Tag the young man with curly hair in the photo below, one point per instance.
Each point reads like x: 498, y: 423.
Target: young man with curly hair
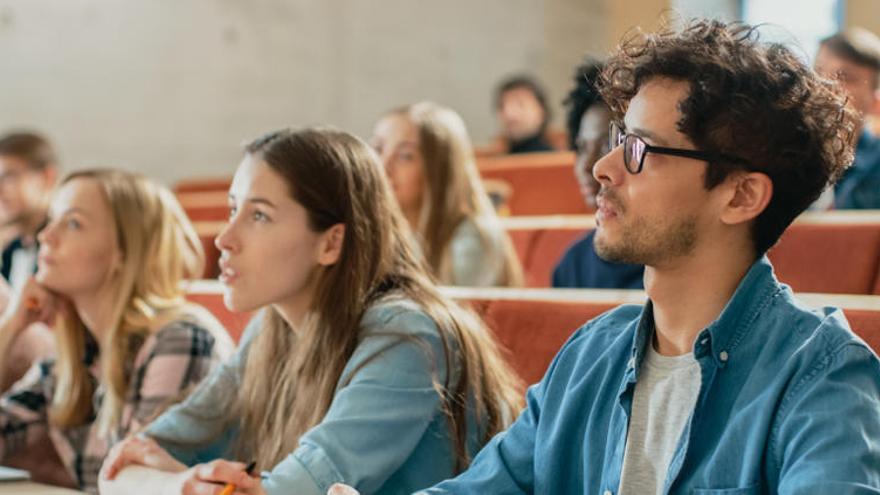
x: 723, y: 383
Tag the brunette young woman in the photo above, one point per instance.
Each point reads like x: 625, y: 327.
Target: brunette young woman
x: 359, y: 369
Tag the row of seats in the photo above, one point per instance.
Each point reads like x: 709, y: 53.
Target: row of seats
x: 532, y: 324
x: 532, y: 183
x: 835, y: 252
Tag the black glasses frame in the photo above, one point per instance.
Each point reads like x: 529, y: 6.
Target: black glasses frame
x: 633, y: 144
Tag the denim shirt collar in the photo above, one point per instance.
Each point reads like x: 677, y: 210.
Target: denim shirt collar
x: 722, y: 337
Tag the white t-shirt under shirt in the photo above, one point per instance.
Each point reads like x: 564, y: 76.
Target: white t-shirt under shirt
x: 664, y: 398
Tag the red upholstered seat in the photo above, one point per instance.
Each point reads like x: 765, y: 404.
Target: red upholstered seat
x: 531, y: 330
x: 542, y: 183
x: 865, y: 323
x: 829, y: 258
x: 547, y: 249
x: 203, y: 184
x: 212, y: 300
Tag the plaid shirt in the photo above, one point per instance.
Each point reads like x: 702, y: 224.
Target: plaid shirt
x: 167, y: 363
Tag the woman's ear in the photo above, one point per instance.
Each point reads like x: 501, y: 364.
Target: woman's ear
x: 749, y: 196
x: 330, y: 246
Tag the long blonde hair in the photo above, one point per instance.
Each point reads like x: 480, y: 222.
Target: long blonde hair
x: 454, y: 193
x: 159, y: 248
x: 290, y: 378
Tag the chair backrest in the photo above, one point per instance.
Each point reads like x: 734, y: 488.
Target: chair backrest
x: 532, y: 324
x: 541, y: 183
x: 828, y: 252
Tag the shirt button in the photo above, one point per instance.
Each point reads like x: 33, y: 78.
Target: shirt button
x: 723, y: 356
x: 608, y: 492
x: 631, y: 364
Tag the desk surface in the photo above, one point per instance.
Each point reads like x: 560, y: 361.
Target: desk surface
x: 31, y: 488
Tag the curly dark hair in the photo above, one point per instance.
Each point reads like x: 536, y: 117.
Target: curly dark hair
x: 748, y: 99
x: 583, y: 95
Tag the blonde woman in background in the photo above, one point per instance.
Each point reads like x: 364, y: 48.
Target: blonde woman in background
x: 111, y: 261
x: 360, y: 370
x: 429, y: 161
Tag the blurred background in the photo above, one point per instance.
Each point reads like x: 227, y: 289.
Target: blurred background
x: 173, y: 88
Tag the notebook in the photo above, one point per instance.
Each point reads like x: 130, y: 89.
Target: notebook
x: 11, y: 474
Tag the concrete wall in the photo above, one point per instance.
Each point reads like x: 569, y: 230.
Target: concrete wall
x: 863, y: 13
x: 172, y: 88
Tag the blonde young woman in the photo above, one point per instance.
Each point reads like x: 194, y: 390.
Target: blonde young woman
x: 110, y: 266
x: 430, y: 163
x: 360, y: 371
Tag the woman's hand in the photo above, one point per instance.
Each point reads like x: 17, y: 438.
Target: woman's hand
x: 142, y: 450
x: 340, y: 489
x: 33, y: 304
x: 213, y: 477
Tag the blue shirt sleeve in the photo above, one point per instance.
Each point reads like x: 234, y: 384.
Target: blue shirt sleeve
x: 826, y: 438
x: 384, y: 404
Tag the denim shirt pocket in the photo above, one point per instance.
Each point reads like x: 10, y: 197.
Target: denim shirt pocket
x: 749, y: 490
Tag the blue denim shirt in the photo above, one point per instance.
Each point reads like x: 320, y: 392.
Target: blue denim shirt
x: 860, y: 185
x: 789, y: 403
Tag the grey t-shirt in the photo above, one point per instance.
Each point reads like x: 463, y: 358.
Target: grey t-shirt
x: 664, y: 398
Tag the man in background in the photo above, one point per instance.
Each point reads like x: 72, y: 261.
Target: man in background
x: 28, y: 171
x: 853, y: 58
x: 521, y: 107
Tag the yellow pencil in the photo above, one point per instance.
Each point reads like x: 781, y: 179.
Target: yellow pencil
x: 229, y: 489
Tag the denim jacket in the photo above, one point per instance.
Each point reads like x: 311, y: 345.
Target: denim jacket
x: 384, y: 433
x: 789, y: 403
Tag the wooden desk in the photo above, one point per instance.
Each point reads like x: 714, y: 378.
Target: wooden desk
x: 31, y: 488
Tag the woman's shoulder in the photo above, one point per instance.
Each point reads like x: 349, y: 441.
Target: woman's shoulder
x: 400, y: 315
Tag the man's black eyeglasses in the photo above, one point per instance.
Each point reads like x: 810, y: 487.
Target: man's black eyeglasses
x: 635, y: 148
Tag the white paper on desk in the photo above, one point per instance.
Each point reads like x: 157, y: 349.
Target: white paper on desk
x: 11, y: 474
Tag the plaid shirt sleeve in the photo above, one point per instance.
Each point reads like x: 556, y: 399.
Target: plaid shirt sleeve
x: 23, y: 409
x: 170, y: 363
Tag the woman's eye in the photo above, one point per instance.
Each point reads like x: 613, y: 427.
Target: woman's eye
x: 73, y: 224
x: 259, y: 216
x: 232, y: 211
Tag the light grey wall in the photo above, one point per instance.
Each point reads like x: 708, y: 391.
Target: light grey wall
x: 172, y: 88
x: 726, y: 10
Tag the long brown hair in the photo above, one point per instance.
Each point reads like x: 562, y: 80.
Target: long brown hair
x: 290, y: 377
x: 160, y: 249
x: 455, y: 193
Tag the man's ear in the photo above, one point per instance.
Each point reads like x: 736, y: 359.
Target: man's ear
x: 748, y: 195
x: 330, y: 246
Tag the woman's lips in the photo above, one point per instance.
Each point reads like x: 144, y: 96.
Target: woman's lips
x: 228, y: 275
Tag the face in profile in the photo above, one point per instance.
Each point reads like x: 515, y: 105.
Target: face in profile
x: 591, y: 145
x: 396, y: 141
x: 656, y: 216
x: 22, y: 189
x: 858, y: 80
x: 79, y: 248
x: 520, y: 114
x: 269, y: 253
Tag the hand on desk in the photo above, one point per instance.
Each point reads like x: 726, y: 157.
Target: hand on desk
x: 165, y: 474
